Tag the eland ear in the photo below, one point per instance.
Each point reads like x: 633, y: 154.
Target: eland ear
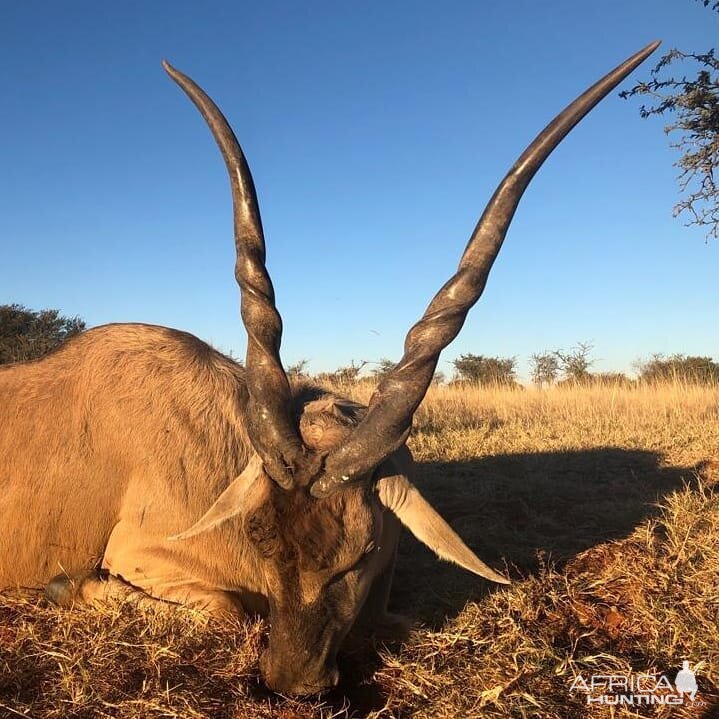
x: 229, y: 503
x: 403, y: 499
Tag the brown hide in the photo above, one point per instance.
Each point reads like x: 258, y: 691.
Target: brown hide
x: 125, y: 421
x: 124, y: 437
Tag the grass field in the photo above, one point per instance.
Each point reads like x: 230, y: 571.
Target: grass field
x: 598, y: 502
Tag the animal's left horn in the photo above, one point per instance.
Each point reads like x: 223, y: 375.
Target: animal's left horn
x: 271, y: 426
x: 389, y: 418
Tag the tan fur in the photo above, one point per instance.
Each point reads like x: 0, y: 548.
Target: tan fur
x: 126, y: 436
x: 326, y: 422
x: 126, y: 422
x: 118, y: 440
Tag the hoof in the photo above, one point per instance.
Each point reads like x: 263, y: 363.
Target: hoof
x: 65, y: 590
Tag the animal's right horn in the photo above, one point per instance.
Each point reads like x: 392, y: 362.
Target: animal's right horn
x: 389, y: 417
x: 271, y: 425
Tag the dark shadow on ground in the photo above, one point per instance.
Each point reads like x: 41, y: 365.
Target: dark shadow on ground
x: 512, y: 509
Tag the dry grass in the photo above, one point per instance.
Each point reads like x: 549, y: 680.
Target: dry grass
x: 599, y: 501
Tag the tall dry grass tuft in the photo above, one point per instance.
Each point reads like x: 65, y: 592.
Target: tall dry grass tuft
x: 598, y: 500
x: 458, y: 421
x: 662, y: 417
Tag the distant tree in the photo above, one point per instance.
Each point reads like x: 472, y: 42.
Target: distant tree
x: 439, y: 377
x: 611, y: 378
x: 383, y: 368
x: 27, y: 334
x: 702, y: 370
x: 576, y: 362
x: 694, y: 102
x: 479, y: 369
x: 545, y: 368
x: 298, y: 369
x: 345, y: 375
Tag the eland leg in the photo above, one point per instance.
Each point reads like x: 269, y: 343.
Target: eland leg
x: 98, y: 585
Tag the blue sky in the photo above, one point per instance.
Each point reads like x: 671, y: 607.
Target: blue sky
x: 376, y: 132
